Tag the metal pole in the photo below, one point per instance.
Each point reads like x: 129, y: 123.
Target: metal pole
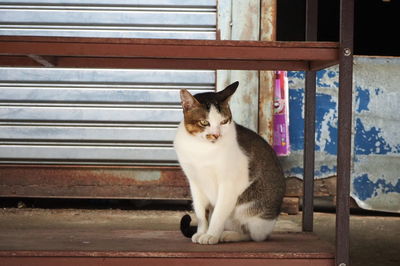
x: 309, y: 122
x: 344, y: 131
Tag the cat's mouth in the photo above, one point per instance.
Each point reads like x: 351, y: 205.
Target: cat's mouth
x: 213, y: 137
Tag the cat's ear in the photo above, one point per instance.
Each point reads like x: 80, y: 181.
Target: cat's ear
x: 188, y: 101
x: 226, y: 94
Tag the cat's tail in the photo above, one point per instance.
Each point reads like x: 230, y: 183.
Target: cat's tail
x: 187, y: 229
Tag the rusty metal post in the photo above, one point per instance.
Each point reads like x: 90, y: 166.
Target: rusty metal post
x: 309, y: 122
x: 267, y: 78
x: 344, y: 131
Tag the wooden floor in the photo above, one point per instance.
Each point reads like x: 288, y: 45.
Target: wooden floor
x: 143, y: 247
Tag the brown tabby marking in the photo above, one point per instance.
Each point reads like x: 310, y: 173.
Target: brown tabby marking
x: 192, y: 118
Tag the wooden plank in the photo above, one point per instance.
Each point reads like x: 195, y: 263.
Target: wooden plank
x: 75, y: 246
x: 19, y: 60
x: 152, y: 52
x: 162, y: 42
x: 317, y: 65
x: 96, y: 261
x: 127, y: 243
x: 138, y: 63
x: 222, y: 51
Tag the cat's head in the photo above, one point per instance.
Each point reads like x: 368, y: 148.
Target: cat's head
x: 207, y: 115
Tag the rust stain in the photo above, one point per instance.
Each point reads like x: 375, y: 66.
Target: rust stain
x: 268, y: 20
x: 268, y: 33
x: 245, y: 20
x: 247, y: 99
x: 91, y: 176
x: 247, y: 34
x: 218, y: 35
x: 92, y: 182
x: 114, y: 182
x: 265, y: 114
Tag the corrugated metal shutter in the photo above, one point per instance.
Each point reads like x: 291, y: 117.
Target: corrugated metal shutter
x: 178, y: 19
x: 98, y: 116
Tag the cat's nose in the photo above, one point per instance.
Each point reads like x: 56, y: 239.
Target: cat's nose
x: 213, y: 136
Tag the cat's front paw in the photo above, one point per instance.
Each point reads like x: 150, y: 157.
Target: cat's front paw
x: 233, y: 236
x: 204, y: 239
x: 195, y: 237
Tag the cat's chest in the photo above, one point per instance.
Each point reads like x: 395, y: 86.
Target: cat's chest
x: 218, y: 169
x: 206, y: 154
x: 210, y: 166
x: 212, y: 158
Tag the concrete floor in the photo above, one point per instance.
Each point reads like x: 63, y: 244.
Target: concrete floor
x: 375, y: 240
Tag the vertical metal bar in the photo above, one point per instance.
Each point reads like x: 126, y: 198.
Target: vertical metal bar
x: 344, y: 131
x: 309, y: 122
x: 309, y: 154
x: 311, y: 20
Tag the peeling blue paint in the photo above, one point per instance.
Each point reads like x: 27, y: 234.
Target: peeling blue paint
x: 362, y: 99
x: 297, y: 170
x: 378, y: 91
x: 296, y: 126
x: 332, y: 75
x: 295, y: 74
x: 364, y: 188
x: 369, y: 141
x: 376, y: 139
x: 325, y: 170
x: 325, y: 104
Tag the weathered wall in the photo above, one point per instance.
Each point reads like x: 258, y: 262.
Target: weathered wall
x: 239, y: 20
x: 376, y: 175
x: 375, y: 180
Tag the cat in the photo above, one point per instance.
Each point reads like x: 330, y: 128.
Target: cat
x: 235, y: 178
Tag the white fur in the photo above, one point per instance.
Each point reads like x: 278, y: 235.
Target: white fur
x: 218, y: 174
x: 260, y: 229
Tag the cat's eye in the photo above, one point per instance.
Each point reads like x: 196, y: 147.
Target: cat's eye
x: 204, y: 123
x: 225, y: 121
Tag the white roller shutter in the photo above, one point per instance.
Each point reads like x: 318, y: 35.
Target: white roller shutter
x: 98, y: 116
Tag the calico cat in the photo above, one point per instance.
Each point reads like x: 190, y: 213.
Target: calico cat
x: 235, y: 179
